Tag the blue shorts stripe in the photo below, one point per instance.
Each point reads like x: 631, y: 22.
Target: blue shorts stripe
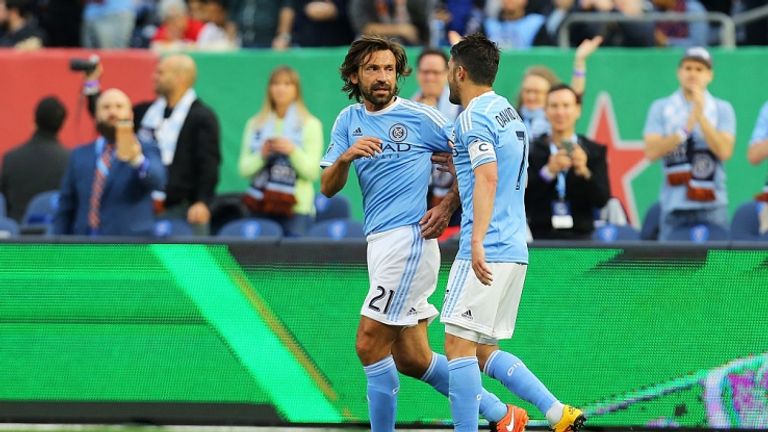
x: 402, y: 287
x: 414, y: 269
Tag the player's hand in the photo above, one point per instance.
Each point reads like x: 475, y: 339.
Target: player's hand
x: 444, y: 162
x: 127, y: 147
x: 198, y: 213
x: 282, y: 145
x: 434, y: 222
x: 363, y: 147
x: 479, y: 266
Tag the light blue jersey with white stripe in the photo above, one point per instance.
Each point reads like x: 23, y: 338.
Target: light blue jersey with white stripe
x: 394, y: 182
x: 490, y: 130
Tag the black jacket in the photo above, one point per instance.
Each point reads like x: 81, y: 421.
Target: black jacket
x: 583, y: 195
x: 194, y: 172
x: 36, y: 166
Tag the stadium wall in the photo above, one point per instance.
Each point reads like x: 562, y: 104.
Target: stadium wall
x: 622, y: 83
x: 263, y: 333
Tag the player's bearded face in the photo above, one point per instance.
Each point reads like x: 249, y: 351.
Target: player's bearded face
x: 379, y: 93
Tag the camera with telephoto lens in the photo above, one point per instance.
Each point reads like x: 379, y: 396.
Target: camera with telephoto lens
x: 84, y: 65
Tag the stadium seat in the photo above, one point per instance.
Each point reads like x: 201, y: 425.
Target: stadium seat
x: 700, y: 233
x: 252, y: 228
x: 226, y: 208
x: 166, y: 228
x: 651, y: 222
x: 3, y: 208
x: 337, y: 229
x: 41, y: 209
x: 336, y: 207
x: 745, y: 224
x: 8, y: 228
x: 612, y: 213
x: 611, y: 233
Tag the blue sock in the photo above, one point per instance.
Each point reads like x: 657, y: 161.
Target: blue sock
x: 511, y: 371
x: 491, y: 408
x: 383, y: 385
x: 464, y: 394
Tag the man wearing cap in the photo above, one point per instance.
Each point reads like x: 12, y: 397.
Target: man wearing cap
x: 693, y: 133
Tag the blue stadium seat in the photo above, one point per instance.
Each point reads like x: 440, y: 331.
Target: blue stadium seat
x: 41, y: 209
x: 700, y: 233
x: 8, y: 228
x: 336, y: 207
x: 745, y: 224
x: 252, y: 228
x: 3, y: 208
x: 337, y: 229
x: 166, y: 228
x: 611, y: 233
x: 651, y: 222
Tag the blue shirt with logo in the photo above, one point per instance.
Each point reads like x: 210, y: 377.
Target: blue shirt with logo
x: 394, y: 182
x: 490, y: 130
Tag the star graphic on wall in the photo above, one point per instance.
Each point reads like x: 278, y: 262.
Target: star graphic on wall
x: 626, y: 159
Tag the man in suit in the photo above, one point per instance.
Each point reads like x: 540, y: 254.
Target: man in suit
x: 107, y: 188
x: 567, y: 174
x: 37, y: 165
x: 187, y: 133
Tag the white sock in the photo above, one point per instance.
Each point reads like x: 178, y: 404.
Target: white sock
x: 555, y: 413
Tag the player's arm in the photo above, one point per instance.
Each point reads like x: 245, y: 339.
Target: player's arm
x: 437, y: 218
x: 335, y: 176
x: 484, y: 194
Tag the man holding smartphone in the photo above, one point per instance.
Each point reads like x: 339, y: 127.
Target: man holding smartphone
x: 567, y: 174
x: 106, y: 190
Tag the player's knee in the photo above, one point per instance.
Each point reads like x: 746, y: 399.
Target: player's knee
x: 413, y: 364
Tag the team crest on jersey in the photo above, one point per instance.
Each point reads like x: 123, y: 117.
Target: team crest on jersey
x: 398, y: 132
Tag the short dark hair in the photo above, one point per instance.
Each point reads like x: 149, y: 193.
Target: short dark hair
x: 479, y: 56
x: 432, y: 51
x: 360, y: 51
x: 23, y: 6
x: 50, y: 114
x: 563, y: 86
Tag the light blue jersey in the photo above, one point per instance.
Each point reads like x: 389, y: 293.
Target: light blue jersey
x: 490, y: 130
x: 394, y: 182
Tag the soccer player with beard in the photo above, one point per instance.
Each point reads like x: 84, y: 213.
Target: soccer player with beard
x: 391, y: 142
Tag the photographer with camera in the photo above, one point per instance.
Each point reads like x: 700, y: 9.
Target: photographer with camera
x: 107, y: 188
x: 567, y: 174
x: 187, y: 132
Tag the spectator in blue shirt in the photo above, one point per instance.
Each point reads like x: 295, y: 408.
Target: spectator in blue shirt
x: 693, y: 133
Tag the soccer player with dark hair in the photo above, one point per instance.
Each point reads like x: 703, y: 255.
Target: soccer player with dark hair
x: 486, y: 279
x: 391, y: 141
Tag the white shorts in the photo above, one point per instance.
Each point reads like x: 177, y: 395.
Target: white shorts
x: 402, y: 270
x: 478, y: 312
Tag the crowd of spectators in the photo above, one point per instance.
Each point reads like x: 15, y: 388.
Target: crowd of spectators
x: 286, y: 24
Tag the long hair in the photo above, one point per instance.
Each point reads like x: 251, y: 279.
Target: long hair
x: 360, y: 51
x: 541, y: 72
x: 268, y: 107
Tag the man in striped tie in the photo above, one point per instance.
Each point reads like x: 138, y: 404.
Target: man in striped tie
x: 107, y: 187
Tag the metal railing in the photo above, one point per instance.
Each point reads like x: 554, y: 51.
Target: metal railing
x: 750, y: 15
x: 727, y: 26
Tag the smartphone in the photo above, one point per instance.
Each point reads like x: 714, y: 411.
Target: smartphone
x: 568, y: 147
